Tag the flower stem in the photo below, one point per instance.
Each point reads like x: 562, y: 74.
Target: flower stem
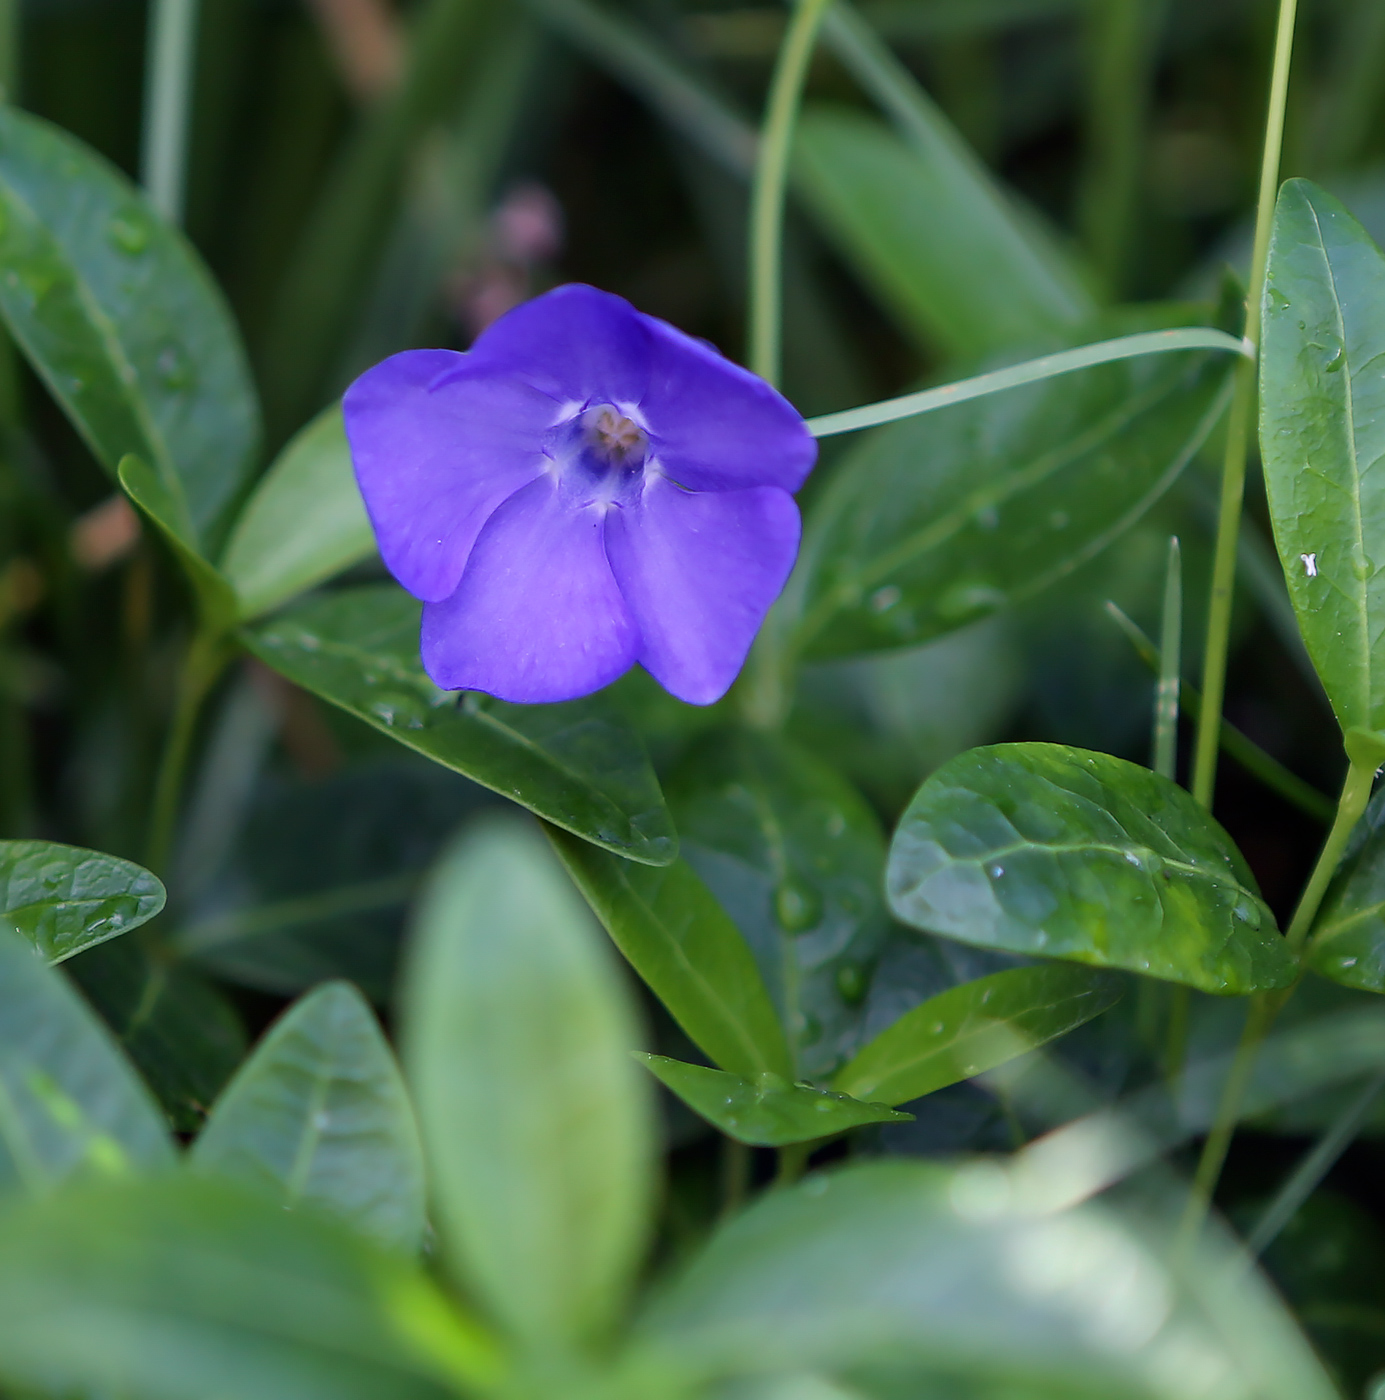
x: 1238, y: 430
x: 171, y: 56
x: 1356, y: 793
x: 206, y: 656
x: 767, y: 194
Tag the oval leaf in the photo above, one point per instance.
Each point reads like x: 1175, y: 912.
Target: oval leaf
x: 975, y: 1027
x: 1039, y: 848
x: 70, y: 1101
x: 794, y: 855
x: 692, y: 957
x: 304, y: 524
x: 1322, y: 436
x: 122, y: 322
x: 63, y: 899
x: 577, y: 765
x: 318, y: 1114
x: 766, y: 1111
x: 536, y: 1120
x: 938, y: 520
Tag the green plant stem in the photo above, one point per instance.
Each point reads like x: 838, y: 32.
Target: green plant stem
x: 1356, y: 793
x: 1170, y: 653
x: 9, y: 50
x: 767, y: 192
x: 792, y: 1160
x: 1176, y: 1033
x: 735, y: 1175
x: 1118, y: 98
x: 170, y: 58
x: 1238, y: 430
x: 206, y: 657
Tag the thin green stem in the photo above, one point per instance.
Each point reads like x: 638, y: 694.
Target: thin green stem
x: 205, y: 658
x: 1356, y: 793
x: 1170, y: 653
x: 1101, y: 352
x: 735, y: 1175
x: 170, y: 57
x: 771, y: 179
x: 1238, y: 430
x: 1315, y: 1164
x: 9, y: 50
x: 792, y: 1160
x: 1176, y: 1033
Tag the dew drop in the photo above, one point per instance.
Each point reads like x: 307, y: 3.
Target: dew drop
x: 797, y: 906
x: 995, y: 871
x: 1334, y: 365
x: 129, y: 233
x: 851, y: 983
x: 883, y: 599
x: 173, y: 367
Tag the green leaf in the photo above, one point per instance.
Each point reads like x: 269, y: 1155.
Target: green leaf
x: 63, y: 899
x: 119, y: 318
x: 181, y: 1032
x: 69, y: 1101
x: 166, y: 508
x: 766, y: 1111
x: 180, y: 1288
x: 693, y: 958
x: 304, y: 524
x: 535, y: 1118
x: 318, y: 1115
x: 1348, y: 940
x: 945, y: 1274
x: 577, y: 765
x: 975, y: 1027
x: 794, y: 855
x: 935, y: 521
x: 946, y: 251
x: 1040, y: 848
x: 1322, y: 434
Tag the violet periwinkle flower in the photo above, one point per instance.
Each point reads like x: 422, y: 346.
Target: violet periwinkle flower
x: 586, y: 488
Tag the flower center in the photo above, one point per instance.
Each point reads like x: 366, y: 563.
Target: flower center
x: 614, y: 438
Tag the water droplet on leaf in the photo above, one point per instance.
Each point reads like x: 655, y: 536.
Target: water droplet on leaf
x: 797, y: 906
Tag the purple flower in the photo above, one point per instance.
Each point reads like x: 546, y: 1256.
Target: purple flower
x: 585, y: 489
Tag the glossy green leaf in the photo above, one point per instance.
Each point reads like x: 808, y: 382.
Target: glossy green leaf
x: 794, y: 855
x: 935, y: 521
x: 183, y: 1034
x: 305, y: 522
x: 939, y: 1273
x: 536, y: 1119
x: 69, y: 1101
x: 766, y: 1111
x: 181, y: 1288
x: 1039, y: 848
x: 318, y: 1115
x: 118, y: 316
x: 1348, y: 941
x: 63, y: 899
x: 975, y: 1027
x: 946, y: 251
x: 577, y: 765
x: 168, y: 511
x: 1322, y: 436
x: 693, y: 958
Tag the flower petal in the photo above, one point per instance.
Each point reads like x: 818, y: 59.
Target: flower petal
x: 716, y: 426
x: 537, y: 616
x: 438, y: 443
x: 576, y: 344
x: 699, y: 571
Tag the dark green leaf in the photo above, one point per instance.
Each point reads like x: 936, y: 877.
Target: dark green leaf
x: 64, y: 899
x: 1322, y: 435
x: 70, y: 1101
x: 959, y: 1033
x: 1348, y: 942
x: 766, y: 1111
x: 535, y: 1118
x: 304, y: 524
x: 1039, y: 848
x: 794, y: 855
x: 318, y: 1115
x: 694, y: 959
x: 945, y: 249
x: 935, y: 521
x: 937, y: 1272
x: 120, y: 319
x: 182, y: 1033
x: 179, y: 1288
x: 577, y: 765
